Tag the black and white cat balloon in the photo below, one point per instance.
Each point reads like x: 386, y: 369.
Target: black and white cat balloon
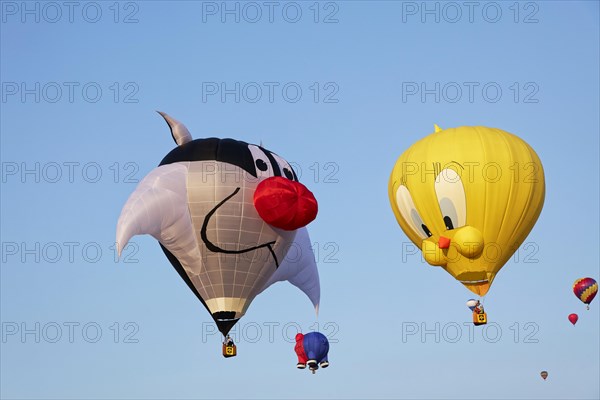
x: 230, y: 217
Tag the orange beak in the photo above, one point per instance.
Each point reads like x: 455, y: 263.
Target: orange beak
x: 444, y: 242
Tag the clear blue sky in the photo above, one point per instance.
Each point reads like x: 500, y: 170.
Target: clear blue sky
x: 86, y: 149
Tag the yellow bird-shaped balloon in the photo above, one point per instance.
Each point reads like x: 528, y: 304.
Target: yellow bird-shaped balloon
x: 468, y: 197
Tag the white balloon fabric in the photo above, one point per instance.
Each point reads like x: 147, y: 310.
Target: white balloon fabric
x: 300, y: 268
x: 158, y: 207
x: 199, y: 204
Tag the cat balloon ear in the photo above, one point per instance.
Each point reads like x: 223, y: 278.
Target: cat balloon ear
x: 180, y: 133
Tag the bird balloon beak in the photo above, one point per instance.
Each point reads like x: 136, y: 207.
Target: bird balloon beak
x: 444, y: 242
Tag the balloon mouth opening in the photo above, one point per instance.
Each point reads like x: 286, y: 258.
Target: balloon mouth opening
x: 225, y: 320
x: 474, y: 282
x: 479, y: 287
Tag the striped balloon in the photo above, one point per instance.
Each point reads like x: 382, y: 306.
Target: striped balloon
x: 585, y: 289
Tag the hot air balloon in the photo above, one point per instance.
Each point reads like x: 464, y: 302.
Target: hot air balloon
x: 544, y: 374
x: 468, y: 197
x: 573, y: 318
x: 312, y: 349
x: 230, y: 217
x: 472, y: 303
x: 585, y: 289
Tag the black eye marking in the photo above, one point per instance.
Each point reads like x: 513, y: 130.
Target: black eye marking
x: 448, y: 222
x: 426, y: 230
x: 262, y: 165
x: 288, y: 174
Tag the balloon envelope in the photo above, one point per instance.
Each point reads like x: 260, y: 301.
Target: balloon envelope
x: 573, y: 318
x: 468, y: 197
x: 585, y: 289
x: 316, y: 346
x: 199, y: 203
x: 544, y: 374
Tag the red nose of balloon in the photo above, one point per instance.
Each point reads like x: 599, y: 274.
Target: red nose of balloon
x: 285, y: 204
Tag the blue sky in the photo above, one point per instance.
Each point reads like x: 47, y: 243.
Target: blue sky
x: 78, y: 127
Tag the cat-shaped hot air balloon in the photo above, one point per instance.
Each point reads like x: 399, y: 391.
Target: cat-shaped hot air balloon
x: 226, y: 214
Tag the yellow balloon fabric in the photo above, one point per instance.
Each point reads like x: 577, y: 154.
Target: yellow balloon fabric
x: 468, y: 197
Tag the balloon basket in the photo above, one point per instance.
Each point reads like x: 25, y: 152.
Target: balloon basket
x: 229, y: 350
x: 479, y: 318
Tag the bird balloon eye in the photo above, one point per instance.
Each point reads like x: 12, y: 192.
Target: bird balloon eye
x: 288, y: 174
x: 409, y: 212
x: 262, y: 165
x: 448, y: 222
x: 426, y: 230
x: 450, y: 192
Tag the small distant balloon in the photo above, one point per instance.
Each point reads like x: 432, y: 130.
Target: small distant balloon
x: 471, y: 303
x: 573, y: 318
x: 544, y: 374
x: 312, y: 349
x: 585, y: 289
